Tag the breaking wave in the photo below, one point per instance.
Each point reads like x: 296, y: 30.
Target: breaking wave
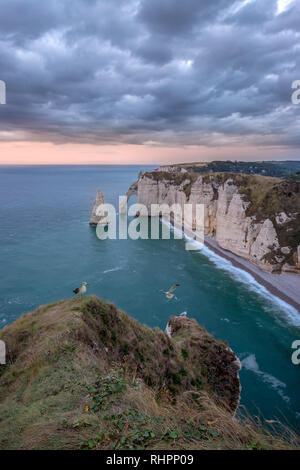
x: 251, y: 364
x: 285, y: 311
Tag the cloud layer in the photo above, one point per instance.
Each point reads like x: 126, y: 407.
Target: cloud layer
x: 161, y: 72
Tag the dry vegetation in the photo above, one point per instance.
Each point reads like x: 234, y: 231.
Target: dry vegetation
x: 82, y: 375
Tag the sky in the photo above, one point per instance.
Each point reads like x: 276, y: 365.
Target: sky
x: 148, y: 81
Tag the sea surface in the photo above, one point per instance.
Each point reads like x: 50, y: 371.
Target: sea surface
x: 48, y: 249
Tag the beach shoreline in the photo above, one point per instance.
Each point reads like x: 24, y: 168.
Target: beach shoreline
x: 285, y: 286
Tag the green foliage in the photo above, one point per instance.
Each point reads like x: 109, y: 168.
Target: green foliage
x: 184, y: 353
x: 3, y: 368
x: 176, y: 379
x: 170, y: 434
x: 125, y: 349
x: 275, y: 169
x: 106, y: 389
x: 199, y: 432
x: 130, y: 429
x: 294, y: 176
x: 254, y: 445
x: 197, y: 383
x: 97, y: 307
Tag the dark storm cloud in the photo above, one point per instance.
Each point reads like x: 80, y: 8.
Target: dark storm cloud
x: 164, y: 17
x: 117, y: 71
x: 22, y: 20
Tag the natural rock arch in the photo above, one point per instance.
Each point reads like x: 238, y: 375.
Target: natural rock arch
x: 132, y: 191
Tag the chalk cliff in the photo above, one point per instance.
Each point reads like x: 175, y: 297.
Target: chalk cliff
x: 95, y: 217
x: 253, y: 216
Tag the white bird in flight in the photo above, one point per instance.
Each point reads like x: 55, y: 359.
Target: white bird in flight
x: 169, y: 293
x: 81, y: 290
x: 183, y: 314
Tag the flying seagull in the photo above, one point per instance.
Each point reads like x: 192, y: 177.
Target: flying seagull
x: 169, y: 293
x: 81, y: 290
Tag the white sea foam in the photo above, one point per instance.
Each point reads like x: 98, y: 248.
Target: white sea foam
x: 285, y: 311
x: 16, y: 300
x: 251, y: 364
x: 117, y: 268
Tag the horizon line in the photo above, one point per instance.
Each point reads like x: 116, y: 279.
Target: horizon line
x: 145, y: 164
x: 81, y: 164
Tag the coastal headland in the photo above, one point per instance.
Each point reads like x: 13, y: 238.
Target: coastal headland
x: 251, y: 220
x: 81, y: 374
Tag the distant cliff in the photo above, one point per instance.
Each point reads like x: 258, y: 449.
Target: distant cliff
x: 253, y: 216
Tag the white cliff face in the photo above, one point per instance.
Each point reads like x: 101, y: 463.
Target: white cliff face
x: 282, y: 218
x: 159, y: 192
x: 225, y: 217
x: 265, y: 243
x: 235, y: 231
x: 95, y: 217
x: 203, y: 193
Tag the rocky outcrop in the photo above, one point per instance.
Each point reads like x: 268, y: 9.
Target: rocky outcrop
x: 132, y: 191
x: 95, y: 217
x: 92, y: 367
x: 255, y: 217
x: 217, y: 357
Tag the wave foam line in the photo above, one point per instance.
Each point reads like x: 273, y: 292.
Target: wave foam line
x: 250, y: 363
x: 118, y: 268
x: 288, y: 312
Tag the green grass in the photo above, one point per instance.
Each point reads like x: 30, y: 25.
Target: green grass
x: 83, y: 375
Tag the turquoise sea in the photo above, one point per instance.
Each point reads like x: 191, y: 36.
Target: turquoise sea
x: 48, y: 248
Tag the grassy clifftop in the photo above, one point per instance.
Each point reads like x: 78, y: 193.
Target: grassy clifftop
x: 279, y: 169
x: 81, y: 374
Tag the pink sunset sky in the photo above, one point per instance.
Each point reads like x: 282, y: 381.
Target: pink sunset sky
x: 32, y: 153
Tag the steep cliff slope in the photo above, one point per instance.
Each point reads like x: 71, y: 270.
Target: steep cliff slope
x: 81, y: 374
x: 253, y: 216
x: 95, y: 217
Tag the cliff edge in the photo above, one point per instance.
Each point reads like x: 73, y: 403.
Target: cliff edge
x: 81, y: 374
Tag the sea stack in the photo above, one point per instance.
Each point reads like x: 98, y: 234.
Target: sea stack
x: 95, y: 218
